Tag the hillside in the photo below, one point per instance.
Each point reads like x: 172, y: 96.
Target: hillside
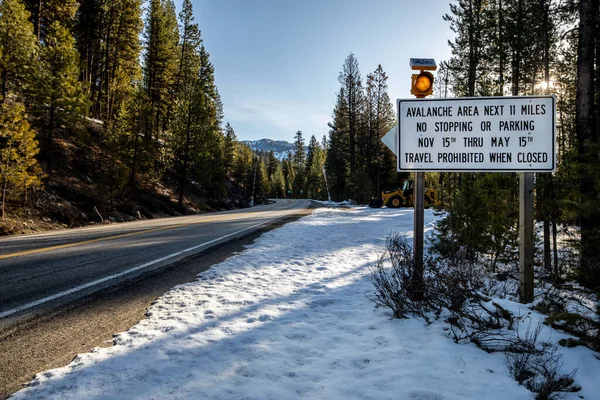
x: 80, y: 192
x: 280, y: 148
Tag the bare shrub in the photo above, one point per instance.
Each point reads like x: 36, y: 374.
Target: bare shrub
x: 552, y: 302
x: 536, y: 365
x: 455, y: 286
x: 394, y: 280
x: 459, y: 286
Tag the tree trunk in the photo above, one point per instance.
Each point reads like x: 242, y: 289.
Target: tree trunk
x: 546, y: 177
x: 472, y: 60
x: 186, y: 155
x: 37, y: 26
x: 107, y: 82
x: 4, y: 188
x: 586, y: 136
x: 597, y: 71
x: 500, y: 91
x: 516, y: 62
x: 4, y: 85
x: 557, y: 271
x: 134, y: 161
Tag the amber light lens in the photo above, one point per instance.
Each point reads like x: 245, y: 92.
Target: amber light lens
x: 423, y: 83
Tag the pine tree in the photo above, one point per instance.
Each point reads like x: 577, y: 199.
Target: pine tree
x: 277, y: 182
x: 353, y: 94
x: 190, y: 105
x: 126, y: 138
x: 229, y: 148
x: 467, y: 20
x: 272, y: 163
x: 299, y: 165
x: 288, y: 175
x: 59, y: 101
x: 45, y: 12
x: 337, y: 152
x: 242, y: 166
x: 89, y: 35
x: 19, y: 169
x: 381, y: 118
x: 263, y: 185
x: 351, y: 138
x: 160, y: 63
x: 189, y: 45
x: 211, y: 165
x: 314, y: 164
x: 17, y: 47
x: 110, y: 52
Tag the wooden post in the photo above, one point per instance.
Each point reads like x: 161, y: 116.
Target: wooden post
x: 419, y: 221
x: 526, y: 243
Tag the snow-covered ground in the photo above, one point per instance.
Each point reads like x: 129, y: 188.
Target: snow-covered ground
x: 289, y: 318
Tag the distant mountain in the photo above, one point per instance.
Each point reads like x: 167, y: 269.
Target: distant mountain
x: 280, y: 148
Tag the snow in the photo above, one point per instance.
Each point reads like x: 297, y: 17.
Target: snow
x: 289, y: 318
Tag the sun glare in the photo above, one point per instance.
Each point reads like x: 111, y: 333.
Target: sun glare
x: 544, y: 85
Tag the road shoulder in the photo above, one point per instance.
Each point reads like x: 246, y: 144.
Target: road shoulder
x: 53, y: 339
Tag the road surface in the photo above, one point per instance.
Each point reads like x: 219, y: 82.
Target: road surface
x: 56, y: 267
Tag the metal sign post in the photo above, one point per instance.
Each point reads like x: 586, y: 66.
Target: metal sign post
x: 419, y: 228
x: 421, y: 87
x: 526, y: 249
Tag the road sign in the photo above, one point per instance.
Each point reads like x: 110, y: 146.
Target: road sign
x: 485, y: 134
x: 422, y: 64
x: 390, y: 139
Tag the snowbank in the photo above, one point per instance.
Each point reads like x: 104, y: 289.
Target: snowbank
x: 288, y: 318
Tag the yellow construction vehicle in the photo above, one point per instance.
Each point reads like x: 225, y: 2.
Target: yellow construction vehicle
x: 403, y: 197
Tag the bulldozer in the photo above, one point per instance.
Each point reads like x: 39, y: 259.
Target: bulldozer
x: 403, y: 197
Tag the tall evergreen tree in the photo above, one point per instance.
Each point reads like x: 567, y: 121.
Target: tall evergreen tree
x: 17, y: 47
x: 353, y: 94
x: 19, y: 169
x: 288, y: 176
x: 299, y: 164
x: 58, y: 95
x: 126, y: 137
x: 187, y: 125
x: 211, y: 165
x: 229, y: 148
x: 467, y: 20
x: 242, y: 167
x: 89, y: 35
x: 381, y: 118
x: 160, y: 63
x: 337, y: 152
x: 277, y: 182
x: 272, y: 163
x: 315, y: 184
x: 45, y: 12
x: 110, y: 52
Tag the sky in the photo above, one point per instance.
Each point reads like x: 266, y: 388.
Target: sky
x: 277, y: 62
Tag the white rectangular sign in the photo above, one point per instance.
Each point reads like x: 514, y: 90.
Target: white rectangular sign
x: 477, y: 134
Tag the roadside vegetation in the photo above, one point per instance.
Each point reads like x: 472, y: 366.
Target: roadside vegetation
x: 89, y: 134
x: 516, y: 48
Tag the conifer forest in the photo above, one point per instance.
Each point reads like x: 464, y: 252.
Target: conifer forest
x: 129, y: 85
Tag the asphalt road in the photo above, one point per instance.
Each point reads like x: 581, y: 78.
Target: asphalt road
x: 42, y: 270
x: 51, y: 337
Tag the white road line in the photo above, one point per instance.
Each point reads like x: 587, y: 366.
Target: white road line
x: 137, y: 268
